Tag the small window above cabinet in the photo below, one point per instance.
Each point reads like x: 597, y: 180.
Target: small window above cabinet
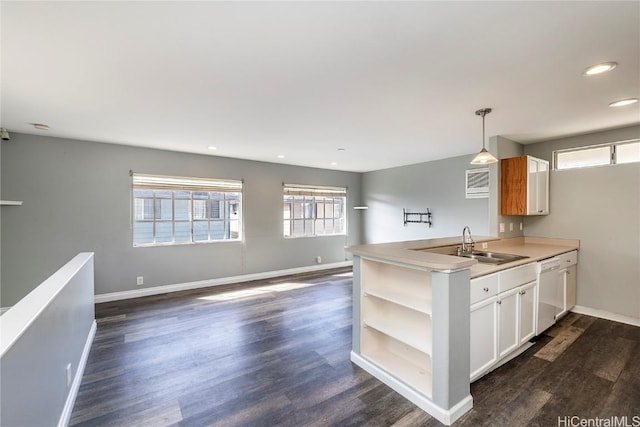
x: 524, y: 186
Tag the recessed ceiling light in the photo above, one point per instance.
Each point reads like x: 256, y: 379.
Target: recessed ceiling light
x: 623, y: 102
x: 211, y: 147
x: 341, y: 149
x: 40, y: 126
x: 281, y: 156
x: 600, y: 68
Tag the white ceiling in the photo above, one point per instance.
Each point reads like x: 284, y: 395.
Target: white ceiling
x: 392, y: 83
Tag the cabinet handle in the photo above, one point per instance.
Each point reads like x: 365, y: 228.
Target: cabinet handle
x: 485, y: 289
x: 523, y: 292
x: 499, y: 302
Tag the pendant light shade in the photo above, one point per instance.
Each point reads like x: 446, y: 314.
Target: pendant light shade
x: 483, y: 157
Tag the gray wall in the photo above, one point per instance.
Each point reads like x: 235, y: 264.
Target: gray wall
x: 502, y: 148
x: 77, y: 199
x: 601, y: 207
x: 437, y: 185
x: 33, y: 380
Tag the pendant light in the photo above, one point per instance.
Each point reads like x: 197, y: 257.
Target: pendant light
x: 483, y: 157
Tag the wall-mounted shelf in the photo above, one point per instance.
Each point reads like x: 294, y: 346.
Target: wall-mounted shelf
x: 10, y: 202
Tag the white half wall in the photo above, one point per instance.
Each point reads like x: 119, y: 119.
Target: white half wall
x: 45, y: 340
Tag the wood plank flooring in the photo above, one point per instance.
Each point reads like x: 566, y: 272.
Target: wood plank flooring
x: 276, y: 353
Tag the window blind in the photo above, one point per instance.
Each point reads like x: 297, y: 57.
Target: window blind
x: 308, y: 190
x: 176, y: 183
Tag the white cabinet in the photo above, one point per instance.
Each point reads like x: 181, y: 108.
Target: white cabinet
x: 567, y: 283
x: 517, y: 318
x: 503, y: 316
x: 527, y: 305
x: 524, y: 186
x: 484, y: 336
x: 508, y: 339
x: 537, y: 186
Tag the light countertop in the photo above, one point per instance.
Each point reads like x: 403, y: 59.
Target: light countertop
x: 435, y: 253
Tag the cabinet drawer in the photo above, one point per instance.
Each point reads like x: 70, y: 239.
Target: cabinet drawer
x: 484, y: 287
x: 568, y: 259
x: 517, y: 276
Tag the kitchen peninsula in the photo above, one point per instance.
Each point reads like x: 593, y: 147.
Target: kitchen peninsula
x: 411, y: 313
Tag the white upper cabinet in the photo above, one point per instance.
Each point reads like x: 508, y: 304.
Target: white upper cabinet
x: 537, y: 186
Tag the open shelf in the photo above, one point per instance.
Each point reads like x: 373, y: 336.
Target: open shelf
x: 399, y: 322
x: 405, y: 363
x: 408, y: 337
x: 420, y: 303
x: 400, y: 285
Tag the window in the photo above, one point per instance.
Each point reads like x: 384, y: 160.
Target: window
x: 314, y: 211
x: 597, y: 155
x: 175, y: 210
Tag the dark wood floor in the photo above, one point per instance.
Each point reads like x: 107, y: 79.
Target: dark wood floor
x: 276, y: 352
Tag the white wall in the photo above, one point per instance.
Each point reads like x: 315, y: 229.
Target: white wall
x: 600, y: 206
x: 437, y: 185
x: 77, y: 198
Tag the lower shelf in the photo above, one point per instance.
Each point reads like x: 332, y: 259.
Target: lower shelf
x: 411, y: 374
x: 406, y: 363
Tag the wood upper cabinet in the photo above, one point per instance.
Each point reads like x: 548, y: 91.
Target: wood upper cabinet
x: 524, y: 186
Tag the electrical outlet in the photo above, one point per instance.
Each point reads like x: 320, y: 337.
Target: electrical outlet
x: 318, y: 259
x: 502, y: 227
x: 521, y: 227
x: 510, y: 226
x: 68, y: 374
x: 140, y: 280
x: 485, y: 245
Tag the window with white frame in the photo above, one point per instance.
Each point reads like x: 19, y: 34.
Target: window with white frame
x: 597, y: 155
x: 314, y: 210
x: 178, y: 210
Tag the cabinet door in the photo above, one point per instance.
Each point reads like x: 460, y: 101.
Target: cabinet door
x: 484, y: 336
x: 566, y: 290
x: 509, y: 322
x: 543, y: 187
x: 532, y: 186
x: 561, y: 294
x: 527, y: 305
x: 571, y: 284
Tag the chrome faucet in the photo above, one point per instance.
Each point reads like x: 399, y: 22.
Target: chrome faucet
x: 467, y: 242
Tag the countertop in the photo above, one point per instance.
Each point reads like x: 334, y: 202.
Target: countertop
x: 434, y: 253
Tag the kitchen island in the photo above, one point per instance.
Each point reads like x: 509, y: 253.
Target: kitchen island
x: 411, y: 314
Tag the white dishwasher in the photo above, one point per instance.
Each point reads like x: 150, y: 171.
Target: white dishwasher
x: 548, y: 298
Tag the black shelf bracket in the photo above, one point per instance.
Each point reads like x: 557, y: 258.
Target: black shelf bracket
x: 416, y: 217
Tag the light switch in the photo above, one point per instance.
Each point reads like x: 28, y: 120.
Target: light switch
x: 502, y: 227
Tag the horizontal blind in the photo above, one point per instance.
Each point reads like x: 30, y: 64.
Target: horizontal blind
x: 176, y: 183
x: 314, y: 190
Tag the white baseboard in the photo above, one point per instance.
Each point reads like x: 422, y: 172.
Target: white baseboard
x: 77, y: 379
x: 156, y: 290
x: 445, y: 416
x: 603, y: 314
